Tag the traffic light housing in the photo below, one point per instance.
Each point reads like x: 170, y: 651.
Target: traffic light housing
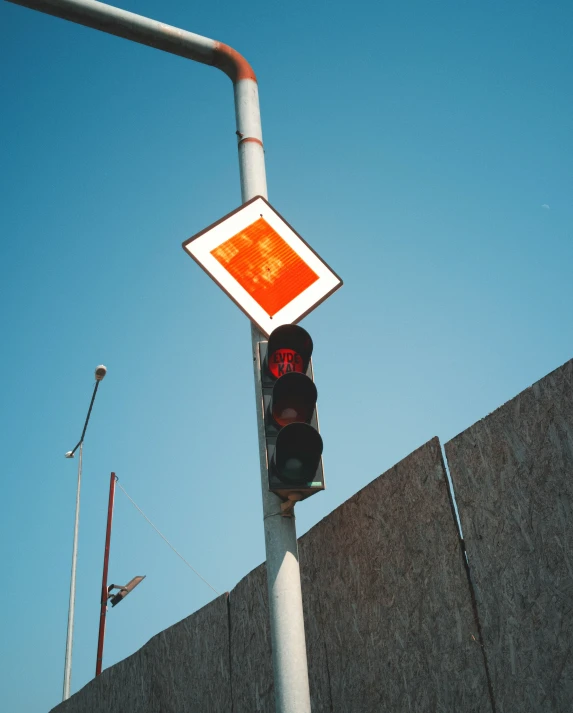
x: 294, y: 445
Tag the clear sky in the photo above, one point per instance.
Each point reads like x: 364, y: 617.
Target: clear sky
x: 423, y: 150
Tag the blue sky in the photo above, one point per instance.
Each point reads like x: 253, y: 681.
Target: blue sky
x: 422, y: 149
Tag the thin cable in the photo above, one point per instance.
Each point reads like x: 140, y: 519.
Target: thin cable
x: 166, y: 540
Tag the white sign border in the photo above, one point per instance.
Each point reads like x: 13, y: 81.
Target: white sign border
x: 200, y: 246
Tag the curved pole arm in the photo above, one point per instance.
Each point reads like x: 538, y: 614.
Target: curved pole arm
x: 171, y: 39
x: 86, y: 421
x: 141, y: 29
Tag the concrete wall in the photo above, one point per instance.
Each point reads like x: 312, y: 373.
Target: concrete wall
x: 388, y: 612
x: 513, y: 478
x: 391, y: 612
x: 387, y: 599
x: 184, y: 669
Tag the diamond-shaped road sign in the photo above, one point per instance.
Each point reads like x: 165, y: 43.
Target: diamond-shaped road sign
x: 264, y: 266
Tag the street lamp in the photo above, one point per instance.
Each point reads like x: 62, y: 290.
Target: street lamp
x: 123, y: 590
x: 100, y: 373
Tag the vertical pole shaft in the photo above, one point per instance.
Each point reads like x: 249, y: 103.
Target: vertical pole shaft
x: 72, y: 604
x: 103, y: 607
x: 292, y: 693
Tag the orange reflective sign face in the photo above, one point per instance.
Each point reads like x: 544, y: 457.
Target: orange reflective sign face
x: 284, y: 361
x: 265, y: 266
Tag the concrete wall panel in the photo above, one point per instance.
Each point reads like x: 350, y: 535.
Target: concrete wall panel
x: 513, y: 477
x: 184, y: 669
x: 251, y: 668
x: 388, y: 615
x: 389, y: 601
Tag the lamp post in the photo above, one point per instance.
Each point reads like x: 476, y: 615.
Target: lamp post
x: 100, y: 373
x: 106, y: 592
x: 292, y: 694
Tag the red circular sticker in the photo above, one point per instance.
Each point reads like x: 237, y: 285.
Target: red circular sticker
x: 283, y: 361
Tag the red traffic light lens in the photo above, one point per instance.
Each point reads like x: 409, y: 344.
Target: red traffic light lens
x: 289, y: 349
x: 285, y: 361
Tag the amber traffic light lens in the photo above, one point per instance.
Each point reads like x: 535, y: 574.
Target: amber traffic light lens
x: 293, y: 399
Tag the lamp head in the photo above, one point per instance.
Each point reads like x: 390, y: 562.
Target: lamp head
x: 100, y: 372
x: 124, y: 591
x: 69, y: 454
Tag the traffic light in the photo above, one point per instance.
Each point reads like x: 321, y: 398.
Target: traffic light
x: 294, y: 445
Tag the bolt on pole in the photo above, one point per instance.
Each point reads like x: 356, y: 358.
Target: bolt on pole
x: 292, y: 693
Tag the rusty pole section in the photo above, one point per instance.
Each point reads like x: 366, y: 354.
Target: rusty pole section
x: 103, y: 608
x: 290, y: 668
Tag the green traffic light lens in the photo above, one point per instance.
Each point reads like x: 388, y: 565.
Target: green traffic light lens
x: 297, y: 454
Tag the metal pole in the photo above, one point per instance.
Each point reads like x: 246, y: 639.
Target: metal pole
x: 292, y: 693
x: 72, y: 605
x: 100, y: 373
x: 103, y: 608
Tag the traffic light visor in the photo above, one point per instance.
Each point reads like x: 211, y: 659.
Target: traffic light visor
x: 297, y: 454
